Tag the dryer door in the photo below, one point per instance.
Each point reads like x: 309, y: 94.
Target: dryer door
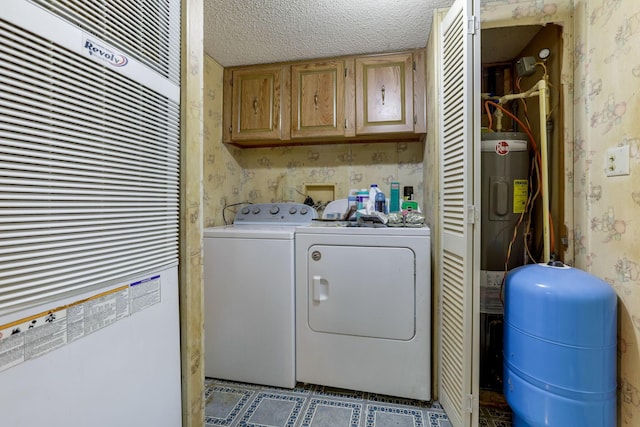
x: 362, y: 291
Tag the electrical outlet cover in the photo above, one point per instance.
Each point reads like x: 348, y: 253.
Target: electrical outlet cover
x: 616, y: 161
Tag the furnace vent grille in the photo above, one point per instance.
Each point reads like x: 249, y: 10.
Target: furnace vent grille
x: 147, y: 30
x: 89, y: 173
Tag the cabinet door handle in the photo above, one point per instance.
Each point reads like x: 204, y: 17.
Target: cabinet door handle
x: 315, y: 100
x: 255, y: 105
x: 382, y: 94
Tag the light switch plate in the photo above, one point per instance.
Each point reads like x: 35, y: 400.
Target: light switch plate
x: 616, y: 161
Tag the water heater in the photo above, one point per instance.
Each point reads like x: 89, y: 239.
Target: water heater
x: 504, y: 191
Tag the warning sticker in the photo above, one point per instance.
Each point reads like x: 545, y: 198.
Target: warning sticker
x: 145, y: 293
x: 490, y: 287
x: 520, y: 193
x: 33, y: 336
x: 49, y: 333
x: 89, y: 315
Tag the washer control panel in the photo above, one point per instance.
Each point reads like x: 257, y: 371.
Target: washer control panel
x: 275, y: 213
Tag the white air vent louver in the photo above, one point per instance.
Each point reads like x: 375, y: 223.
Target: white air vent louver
x: 147, y: 30
x: 88, y: 173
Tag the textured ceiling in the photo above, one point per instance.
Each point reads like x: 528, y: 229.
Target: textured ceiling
x: 242, y: 32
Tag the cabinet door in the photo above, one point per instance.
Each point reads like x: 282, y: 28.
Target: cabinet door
x: 384, y: 94
x: 256, y: 104
x: 317, y: 99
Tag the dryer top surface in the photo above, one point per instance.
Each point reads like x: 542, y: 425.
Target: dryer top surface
x: 365, y: 231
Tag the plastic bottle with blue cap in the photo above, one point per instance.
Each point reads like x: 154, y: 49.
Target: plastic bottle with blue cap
x: 378, y: 198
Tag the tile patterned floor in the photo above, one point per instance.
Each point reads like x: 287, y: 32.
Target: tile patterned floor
x: 248, y: 405
x: 493, y: 417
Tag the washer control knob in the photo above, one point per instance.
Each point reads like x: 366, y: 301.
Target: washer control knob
x: 292, y: 210
x: 256, y: 210
x: 274, y: 210
x: 245, y: 211
x: 304, y: 211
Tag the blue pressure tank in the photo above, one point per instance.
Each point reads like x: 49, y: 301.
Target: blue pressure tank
x: 559, y: 347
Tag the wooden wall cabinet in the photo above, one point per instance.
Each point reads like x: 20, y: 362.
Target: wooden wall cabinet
x: 257, y: 101
x: 384, y: 94
x: 364, y: 98
x: 318, y: 99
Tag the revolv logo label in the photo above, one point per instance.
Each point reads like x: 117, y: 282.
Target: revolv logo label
x: 98, y: 51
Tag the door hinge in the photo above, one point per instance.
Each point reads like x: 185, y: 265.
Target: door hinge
x: 473, y: 24
x: 472, y: 214
x: 345, y: 73
x: 414, y: 65
x: 468, y: 403
x: 345, y: 123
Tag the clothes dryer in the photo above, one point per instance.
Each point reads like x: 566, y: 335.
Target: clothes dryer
x: 363, y: 309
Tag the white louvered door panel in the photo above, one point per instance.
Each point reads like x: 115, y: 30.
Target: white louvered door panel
x: 459, y: 163
x: 89, y: 162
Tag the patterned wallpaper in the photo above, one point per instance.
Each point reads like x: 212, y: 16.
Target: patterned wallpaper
x: 262, y: 175
x: 223, y: 176
x: 607, y: 229
x: 190, y: 269
x: 602, y: 77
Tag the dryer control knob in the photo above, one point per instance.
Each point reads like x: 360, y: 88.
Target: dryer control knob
x: 256, y: 210
x: 274, y: 210
x: 245, y: 211
x: 293, y: 210
x: 304, y: 211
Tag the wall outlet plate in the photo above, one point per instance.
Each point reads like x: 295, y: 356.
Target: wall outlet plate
x: 616, y: 162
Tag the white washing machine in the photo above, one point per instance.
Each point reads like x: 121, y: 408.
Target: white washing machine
x: 363, y: 309
x: 249, y: 287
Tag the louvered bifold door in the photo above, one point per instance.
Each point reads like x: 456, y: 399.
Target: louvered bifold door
x: 89, y: 172
x: 459, y: 235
